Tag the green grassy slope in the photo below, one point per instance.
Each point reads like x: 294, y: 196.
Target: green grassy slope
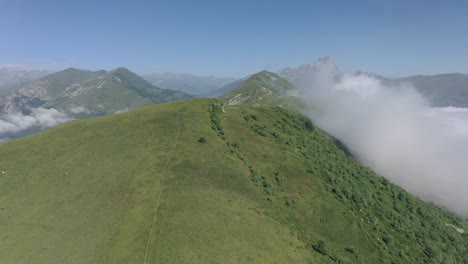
x: 265, y: 187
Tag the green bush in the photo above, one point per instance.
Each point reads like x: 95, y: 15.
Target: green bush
x: 351, y: 249
x: 320, y: 247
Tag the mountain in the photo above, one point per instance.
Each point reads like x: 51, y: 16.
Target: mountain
x: 43, y: 90
x: 302, y: 74
x: 439, y: 90
x: 198, y: 182
x: 87, y: 93
x: 295, y: 76
x: 261, y: 88
x: 187, y: 83
x: 442, y: 89
x: 14, y: 77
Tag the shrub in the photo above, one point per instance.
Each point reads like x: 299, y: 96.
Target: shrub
x: 278, y: 178
x: 351, y: 249
x: 202, y: 140
x: 289, y: 201
x: 268, y: 191
x: 320, y: 247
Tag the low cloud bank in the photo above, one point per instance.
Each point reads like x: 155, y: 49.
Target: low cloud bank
x: 17, y: 124
x: 394, y: 131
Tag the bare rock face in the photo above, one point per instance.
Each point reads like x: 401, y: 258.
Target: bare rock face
x: 32, y: 95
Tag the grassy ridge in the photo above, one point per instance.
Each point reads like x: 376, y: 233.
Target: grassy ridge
x: 264, y: 186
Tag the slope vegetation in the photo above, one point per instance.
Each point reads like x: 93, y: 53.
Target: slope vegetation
x: 196, y: 182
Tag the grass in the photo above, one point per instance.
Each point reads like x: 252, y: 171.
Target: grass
x: 265, y: 186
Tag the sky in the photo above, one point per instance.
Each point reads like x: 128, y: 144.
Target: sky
x: 393, y: 38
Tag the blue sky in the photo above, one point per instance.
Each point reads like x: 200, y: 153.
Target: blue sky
x: 236, y: 38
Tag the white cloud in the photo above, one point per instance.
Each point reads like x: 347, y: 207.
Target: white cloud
x: 15, y: 124
x: 78, y: 110
x: 395, y: 132
x: 121, y: 111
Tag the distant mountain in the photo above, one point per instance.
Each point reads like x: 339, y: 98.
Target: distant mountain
x: 303, y: 73
x: 442, y: 89
x: 261, y: 88
x: 14, y: 77
x: 88, y: 93
x: 439, y: 90
x: 44, y: 90
x: 190, y: 84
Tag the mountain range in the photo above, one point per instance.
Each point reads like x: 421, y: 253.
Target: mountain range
x: 21, y: 89
x: 439, y: 90
x: 75, y: 93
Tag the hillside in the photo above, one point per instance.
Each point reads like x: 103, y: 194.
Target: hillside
x: 196, y: 182
x: 88, y: 93
x: 261, y: 88
x: 187, y: 83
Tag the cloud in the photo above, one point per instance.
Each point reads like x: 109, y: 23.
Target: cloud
x: 122, y: 111
x: 393, y: 130
x: 78, y: 110
x: 17, y: 124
